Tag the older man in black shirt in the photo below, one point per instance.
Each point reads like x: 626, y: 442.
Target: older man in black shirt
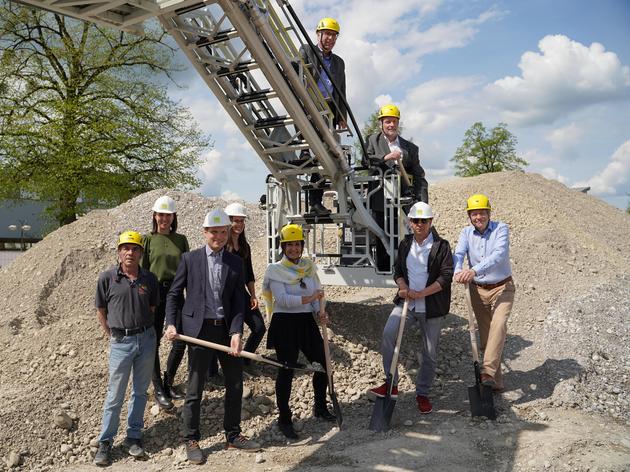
x: 126, y: 297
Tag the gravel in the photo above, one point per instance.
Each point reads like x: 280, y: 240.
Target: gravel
x: 567, y: 346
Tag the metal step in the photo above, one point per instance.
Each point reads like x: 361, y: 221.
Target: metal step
x: 257, y: 96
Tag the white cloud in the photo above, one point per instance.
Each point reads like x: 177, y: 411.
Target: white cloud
x: 230, y: 196
x: 212, y: 173
x: 553, y: 174
x: 614, y: 175
x: 564, y: 76
x: 565, y: 139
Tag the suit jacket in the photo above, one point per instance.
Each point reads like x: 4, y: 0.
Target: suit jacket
x: 192, y: 275
x: 337, y: 74
x: 377, y: 149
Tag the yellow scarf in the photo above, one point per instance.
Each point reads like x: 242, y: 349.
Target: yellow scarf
x: 286, y: 272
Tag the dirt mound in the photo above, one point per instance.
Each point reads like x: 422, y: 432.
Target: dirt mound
x: 567, y: 251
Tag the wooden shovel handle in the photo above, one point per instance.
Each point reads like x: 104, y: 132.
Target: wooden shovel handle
x: 401, y: 327
x: 322, y: 307
x: 471, y: 324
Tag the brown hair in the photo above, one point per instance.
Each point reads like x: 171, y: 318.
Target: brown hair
x: 154, y: 223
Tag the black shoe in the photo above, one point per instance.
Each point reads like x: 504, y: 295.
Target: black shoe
x: 319, y: 209
x: 194, y: 454
x: 102, y: 457
x: 170, y: 391
x: 287, y: 430
x: 162, y: 400
x: 135, y: 448
x: 323, y: 413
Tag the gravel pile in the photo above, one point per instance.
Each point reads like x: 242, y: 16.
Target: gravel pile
x: 572, y: 282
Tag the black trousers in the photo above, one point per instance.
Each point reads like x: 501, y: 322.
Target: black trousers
x: 178, y: 347
x: 233, y: 372
x: 291, y: 333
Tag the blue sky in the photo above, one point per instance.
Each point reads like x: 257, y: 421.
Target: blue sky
x: 557, y: 72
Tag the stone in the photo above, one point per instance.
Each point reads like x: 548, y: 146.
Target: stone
x: 13, y: 460
x: 259, y: 458
x: 408, y: 423
x: 247, y: 392
x: 155, y: 410
x: 63, y: 420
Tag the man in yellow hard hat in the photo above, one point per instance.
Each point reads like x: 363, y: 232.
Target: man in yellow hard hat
x: 213, y: 279
x: 387, y: 149
x: 126, y: 297
x: 486, y: 244
x: 334, y: 70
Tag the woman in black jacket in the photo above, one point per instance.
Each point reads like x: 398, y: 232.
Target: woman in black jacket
x: 423, y: 273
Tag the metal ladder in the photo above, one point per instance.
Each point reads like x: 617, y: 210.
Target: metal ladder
x: 248, y: 58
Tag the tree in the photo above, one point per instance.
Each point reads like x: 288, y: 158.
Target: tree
x: 483, y: 152
x: 84, y: 121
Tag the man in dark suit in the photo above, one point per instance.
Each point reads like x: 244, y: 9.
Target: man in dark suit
x: 385, y: 150
x: 333, y: 70
x: 213, y: 311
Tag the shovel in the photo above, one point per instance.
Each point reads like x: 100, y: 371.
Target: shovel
x: 250, y: 355
x: 329, y: 373
x: 384, y: 407
x: 479, y: 396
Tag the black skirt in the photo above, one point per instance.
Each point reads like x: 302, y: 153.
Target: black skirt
x: 294, y: 331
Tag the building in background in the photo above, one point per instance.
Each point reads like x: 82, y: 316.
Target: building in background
x: 23, y: 222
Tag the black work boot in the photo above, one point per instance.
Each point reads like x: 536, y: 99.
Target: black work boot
x: 321, y: 411
x: 162, y: 400
x: 170, y: 390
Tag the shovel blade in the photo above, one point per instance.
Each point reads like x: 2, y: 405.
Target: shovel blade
x: 481, y: 401
x: 382, y: 414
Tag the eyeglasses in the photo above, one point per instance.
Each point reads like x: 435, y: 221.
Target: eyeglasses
x: 302, y: 283
x: 422, y: 221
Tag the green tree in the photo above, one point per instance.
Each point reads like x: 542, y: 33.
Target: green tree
x: 84, y: 121
x: 483, y: 151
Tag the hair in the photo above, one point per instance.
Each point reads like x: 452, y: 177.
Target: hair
x: 154, y: 223
x: 244, y: 248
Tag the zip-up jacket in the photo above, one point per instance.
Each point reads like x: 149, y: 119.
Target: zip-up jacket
x: 440, y: 268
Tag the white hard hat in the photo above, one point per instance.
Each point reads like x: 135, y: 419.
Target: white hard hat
x: 216, y: 217
x: 421, y: 210
x: 236, y: 209
x: 164, y: 204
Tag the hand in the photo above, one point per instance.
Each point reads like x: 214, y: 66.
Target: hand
x: 415, y: 295
x: 393, y: 156
x: 342, y: 124
x: 170, y: 333
x: 403, y: 292
x: 317, y: 295
x: 253, y: 302
x: 236, y: 345
x: 465, y: 276
x: 324, y: 318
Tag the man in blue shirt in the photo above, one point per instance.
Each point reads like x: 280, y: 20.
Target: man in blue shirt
x: 487, y: 245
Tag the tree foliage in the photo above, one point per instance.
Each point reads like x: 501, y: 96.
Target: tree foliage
x: 84, y: 121
x: 483, y: 152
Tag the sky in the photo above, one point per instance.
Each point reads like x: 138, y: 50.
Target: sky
x: 556, y: 72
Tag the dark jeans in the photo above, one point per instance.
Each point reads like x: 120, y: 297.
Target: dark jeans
x: 178, y: 347
x: 233, y: 372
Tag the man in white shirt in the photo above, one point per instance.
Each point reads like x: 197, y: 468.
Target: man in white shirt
x: 423, y: 273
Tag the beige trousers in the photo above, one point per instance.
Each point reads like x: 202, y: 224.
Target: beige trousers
x: 492, y: 309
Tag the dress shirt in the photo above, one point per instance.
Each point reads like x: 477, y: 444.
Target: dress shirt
x: 418, y: 270
x: 214, y: 303
x: 288, y: 297
x: 488, y: 253
x: 393, y: 146
x: 324, y: 83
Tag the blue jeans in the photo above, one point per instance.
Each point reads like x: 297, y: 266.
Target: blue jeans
x: 429, y: 337
x: 126, y: 355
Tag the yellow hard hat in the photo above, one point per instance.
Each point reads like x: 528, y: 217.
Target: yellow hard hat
x: 389, y: 110
x: 291, y: 232
x: 131, y: 237
x: 478, y: 202
x: 328, y: 24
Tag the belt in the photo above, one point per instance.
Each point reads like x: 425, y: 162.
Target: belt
x: 215, y: 321
x: 492, y: 286
x: 166, y: 283
x: 130, y: 332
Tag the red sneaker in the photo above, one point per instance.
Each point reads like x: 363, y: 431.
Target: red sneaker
x: 381, y: 392
x: 424, y: 405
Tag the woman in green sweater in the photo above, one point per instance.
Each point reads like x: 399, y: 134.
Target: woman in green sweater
x: 163, y: 248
